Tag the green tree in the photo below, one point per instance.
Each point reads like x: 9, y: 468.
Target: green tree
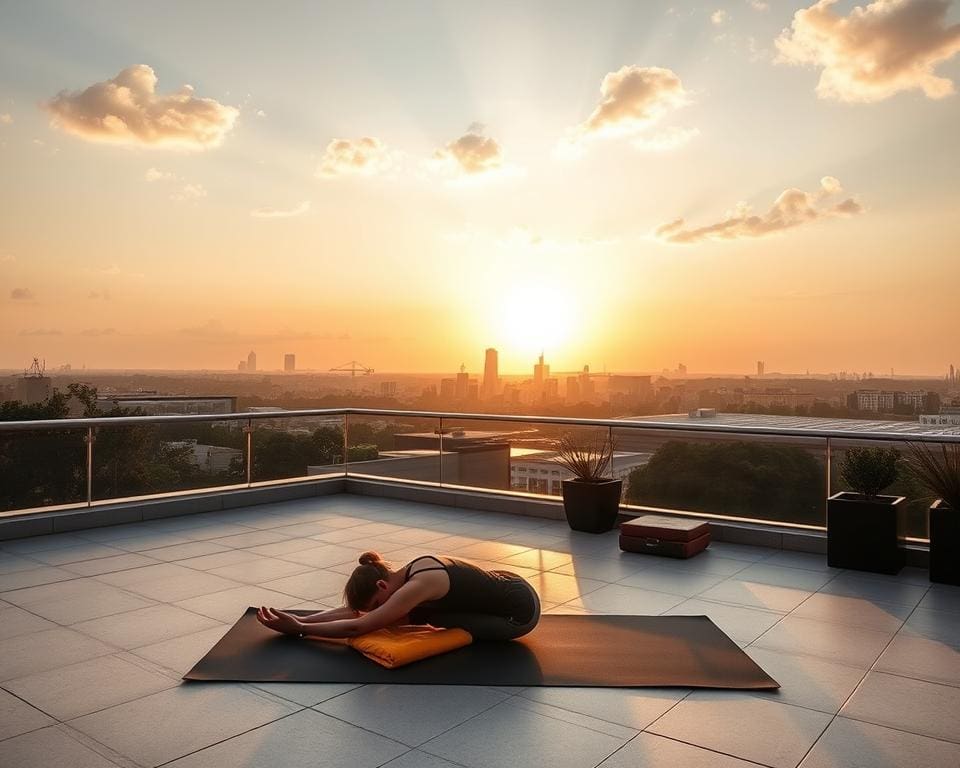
x: 739, y: 479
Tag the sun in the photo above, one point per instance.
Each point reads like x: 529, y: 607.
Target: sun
x: 534, y: 318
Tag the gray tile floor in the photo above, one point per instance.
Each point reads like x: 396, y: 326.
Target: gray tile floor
x: 97, y: 627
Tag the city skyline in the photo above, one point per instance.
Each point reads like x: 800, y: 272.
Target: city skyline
x: 627, y: 186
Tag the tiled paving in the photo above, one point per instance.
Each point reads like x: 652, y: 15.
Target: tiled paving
x: 97, y: 627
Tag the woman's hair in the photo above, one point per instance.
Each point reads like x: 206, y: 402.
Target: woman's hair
x: 362, y: 584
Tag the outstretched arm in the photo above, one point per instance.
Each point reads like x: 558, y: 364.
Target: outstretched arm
x: 343, y: 612
x: 396, y: 608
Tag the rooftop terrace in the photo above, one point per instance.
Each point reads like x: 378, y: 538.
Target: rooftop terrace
x: 97, y: 626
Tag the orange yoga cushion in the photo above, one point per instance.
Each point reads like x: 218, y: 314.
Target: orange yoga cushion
x: 393, y: 647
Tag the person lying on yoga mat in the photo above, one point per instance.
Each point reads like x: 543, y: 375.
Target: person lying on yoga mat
x: 442, y: 591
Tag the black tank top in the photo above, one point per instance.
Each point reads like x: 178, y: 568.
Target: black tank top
x: 475, y: 590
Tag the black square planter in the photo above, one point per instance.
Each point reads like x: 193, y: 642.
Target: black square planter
x: 944, y: 544
x: 591, y: 507
x: 864, y: 534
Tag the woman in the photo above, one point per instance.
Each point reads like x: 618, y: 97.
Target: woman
x: 441, y: 591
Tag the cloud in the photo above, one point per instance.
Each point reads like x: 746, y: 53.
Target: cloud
x: 366, y: 156
x: 98, y: 332
x: 21, y: 294
x: 154, y: 174
x: 128, y: 110
x: 281, y: 213
x: 189, y: 192
x: 6, y: 118
x: 260, y: 113
x: 473, y: 153
x: 791, y: 209
x: 7, y: 258
x: 40, y: 332
x: 759, y: 5
x: 876, y: 51
x: 719, y: 17
x: 633, y: 100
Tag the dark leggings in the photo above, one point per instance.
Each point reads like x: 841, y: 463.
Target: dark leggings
x: 485, y: 626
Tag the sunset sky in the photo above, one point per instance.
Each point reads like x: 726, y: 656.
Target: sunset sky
x: 629, y: 184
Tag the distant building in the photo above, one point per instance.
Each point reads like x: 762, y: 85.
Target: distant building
x: 491, y: 375
x: 215, y: 459
x: 153, y: 404
x: 289, y: 363
x: 388, y: 389
x: 463, y: 384
x: 773, y: 397
x: 33, y: 387
x: 251, y: 362
x: 573, y: 389
x: 949, y: 416
x: 539, y: 471
x: 681, y: 369
x: 888, y: 401
x: 242, y: 366
x: 761, y: 367
x: 448, y: 389
x: 540, y: 372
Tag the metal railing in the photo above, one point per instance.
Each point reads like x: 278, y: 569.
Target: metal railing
x: 825, y: 440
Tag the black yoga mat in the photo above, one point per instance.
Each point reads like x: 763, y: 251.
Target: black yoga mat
x: 574, y: 650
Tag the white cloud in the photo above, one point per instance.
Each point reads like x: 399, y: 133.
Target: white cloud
x: 281, y: 213
x: 633, y: 100
x: 155, y: 174
x: 473, y: 153
x: 719, y: 17
x: 6, y: 118
x: 759, y: 5
x: 665, y: 140
x: 128, y: 110
x: 261, y: 113
x: 40, y: 332
x: 791, y: 209
x: 876, y: 51
x: 366, y: 156
x: 189, y: 192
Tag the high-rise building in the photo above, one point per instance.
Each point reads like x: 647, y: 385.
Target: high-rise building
x: 491, y: 376
x: 289, y: 362
x: 242, y: 366
x: 251, y: 362
x: 681, y: 369
x: 953, y: 374
x: 760, y: 368
x: 448, y: 389
x: 540, y: 372
x: 463, y: 383
x: 388, y: 389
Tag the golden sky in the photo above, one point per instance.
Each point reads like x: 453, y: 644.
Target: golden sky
x: 629, y: 185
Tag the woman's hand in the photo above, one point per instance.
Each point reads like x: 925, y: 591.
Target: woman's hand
x: 279, y: 621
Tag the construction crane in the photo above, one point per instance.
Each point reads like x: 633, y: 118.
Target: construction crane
x: 353, y: 367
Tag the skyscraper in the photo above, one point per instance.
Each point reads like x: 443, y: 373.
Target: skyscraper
x: 540, y: 372
x: 251, y: 362
x: 289, y: 362
x: 463, y: 383
x: 760, y: 368
x: 491, y: 377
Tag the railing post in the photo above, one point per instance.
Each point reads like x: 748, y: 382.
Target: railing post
x: 440, y: 443
x: 249, y: 431
x: 829, y: 468
x: 89, y: 441
x: 346, y: 417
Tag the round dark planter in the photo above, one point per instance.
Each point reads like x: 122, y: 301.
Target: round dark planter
x: 944, y: 544
x: 591, y: 507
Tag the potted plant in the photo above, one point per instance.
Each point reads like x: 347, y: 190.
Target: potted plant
x: 939, y: 472
x: 591, y: 499
x: 864, y: 527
